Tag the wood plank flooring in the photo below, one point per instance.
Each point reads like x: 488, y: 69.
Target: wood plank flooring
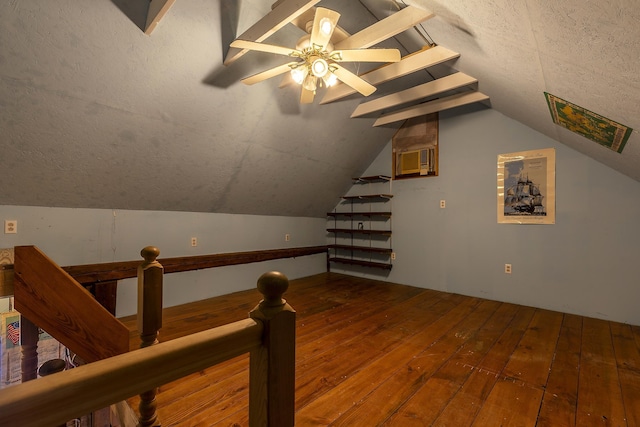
x: 371, y: 353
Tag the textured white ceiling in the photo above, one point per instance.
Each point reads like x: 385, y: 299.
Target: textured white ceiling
x: 584, y: 51
x: 94, y: 113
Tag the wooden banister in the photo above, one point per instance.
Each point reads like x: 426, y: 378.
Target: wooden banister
x: 63, y: 396
x: 51, y: 299
x: 102, y: 279
x: 269, y: 337
x: 149, y: 323
x: 272, y: 366
x: 29, y: 349
x: 96, y: 273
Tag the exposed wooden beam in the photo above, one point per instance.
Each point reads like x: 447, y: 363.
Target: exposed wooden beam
x: 424, y: 58
x: 157, y: 10
x: 280, y: 16
x: 450, y: 82
x: 432, y: 107
x: 386, y: 28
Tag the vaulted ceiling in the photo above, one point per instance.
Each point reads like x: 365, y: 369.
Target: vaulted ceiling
x: 94, y: 113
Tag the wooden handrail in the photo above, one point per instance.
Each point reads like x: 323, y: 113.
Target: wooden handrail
x: 95, y: 273
x: 268, y: 335
x: 66, y: 395
x: 102, y: 279
x: 47, y: 296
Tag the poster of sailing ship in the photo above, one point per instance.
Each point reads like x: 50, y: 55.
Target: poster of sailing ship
x: 526, y: 187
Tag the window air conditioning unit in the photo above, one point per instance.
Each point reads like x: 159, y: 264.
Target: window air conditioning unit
x: 417, y: 161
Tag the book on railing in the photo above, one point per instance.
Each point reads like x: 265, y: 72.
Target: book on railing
x: 10, y: 369
x: 11, y: 353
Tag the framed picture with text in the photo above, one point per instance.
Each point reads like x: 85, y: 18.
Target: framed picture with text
x: 526, y: 187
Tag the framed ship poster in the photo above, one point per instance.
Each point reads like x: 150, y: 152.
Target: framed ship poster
x: 526, y: 187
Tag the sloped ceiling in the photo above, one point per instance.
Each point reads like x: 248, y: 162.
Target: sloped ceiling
x: 586, y: 52
x: 96, y: 114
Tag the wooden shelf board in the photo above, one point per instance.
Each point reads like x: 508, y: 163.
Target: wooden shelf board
x: 362, y: 263
x: 351, y: 231
x: 374, y: 178
x: 357, y: 214
x: 368, y: 197
x: 362, y: 249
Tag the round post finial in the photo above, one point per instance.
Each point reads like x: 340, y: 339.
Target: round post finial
x: 273, y: 285
x: 150, y: 253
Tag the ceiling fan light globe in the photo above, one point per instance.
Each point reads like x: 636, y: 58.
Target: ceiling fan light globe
x: 310, y: 83
x: 326, y: 26
x: 319, y: 67
x: 298, y: 75
x: 330, y: 79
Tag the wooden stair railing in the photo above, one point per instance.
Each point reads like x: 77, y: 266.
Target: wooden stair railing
x: 102, y: 279
x: 268, y: 335
x: 149, y: 323
x: 50, y: 298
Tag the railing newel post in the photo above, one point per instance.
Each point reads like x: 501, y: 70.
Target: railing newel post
x: 272, y: 366
x: 29, y: 335
x: 150, y: 274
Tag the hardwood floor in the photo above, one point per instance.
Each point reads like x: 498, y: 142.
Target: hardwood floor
x: 371, y: 353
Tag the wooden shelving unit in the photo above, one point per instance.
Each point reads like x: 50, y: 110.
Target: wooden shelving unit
x: 362, y: 226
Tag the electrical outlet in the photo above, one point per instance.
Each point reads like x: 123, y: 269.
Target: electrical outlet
x: 194, y: 241
x: 393, y: 255
x: 507, y: 268
x: 10, y: 226
x: 287, y: 237
x: 442, y: 204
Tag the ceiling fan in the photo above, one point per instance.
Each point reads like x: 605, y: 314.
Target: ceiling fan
x: 316, y: 62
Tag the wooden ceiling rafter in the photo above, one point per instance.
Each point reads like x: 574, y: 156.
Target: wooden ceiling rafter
x: 283, y: 12
x: 301, y: 12
x: 425, y: 90
x: 440, y: 104
x: 375, y: 33
x: 157, y: 10
x: 425, y: 58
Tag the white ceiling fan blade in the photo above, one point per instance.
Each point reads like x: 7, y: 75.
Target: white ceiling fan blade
x: 280, y: 16
x: 262, y: 47
x: 386, y: 28
x: 324, y: 23
x: 306, y: 96
x: 350, y: 79
x: 425, y: 58
x: 267, y: 74
x: 366, y: 55
x: 308, y: 16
